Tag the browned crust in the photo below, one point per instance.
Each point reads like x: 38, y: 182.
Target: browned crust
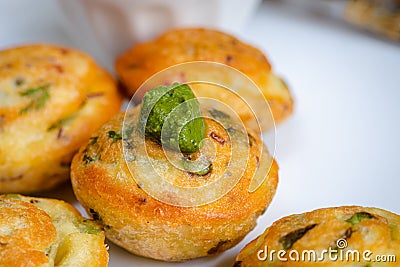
x: 35, y: 232
x: 197, y: 44
x: 37, y: 143
x: 143, y: 225
x: 380, y: 235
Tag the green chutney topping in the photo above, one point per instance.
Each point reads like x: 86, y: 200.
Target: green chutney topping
x: 199, y: 167
x: 358, y: 217
x: 171, y: 115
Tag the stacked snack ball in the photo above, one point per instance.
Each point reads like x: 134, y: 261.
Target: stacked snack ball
x: 379, y: 17
x: 148, y: 227
x: 51, y: 100
x: 340, y: 231
x: 186, y: 45
x: 48, y: 232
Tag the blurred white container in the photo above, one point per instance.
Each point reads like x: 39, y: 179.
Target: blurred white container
x: 106, y: 28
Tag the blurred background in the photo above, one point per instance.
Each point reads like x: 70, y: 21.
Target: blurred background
x: 341, y: 60
x: 106, y: 28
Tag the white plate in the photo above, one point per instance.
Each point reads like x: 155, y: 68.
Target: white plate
x: 341, y: 147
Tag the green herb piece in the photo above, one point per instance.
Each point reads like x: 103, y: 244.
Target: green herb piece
x: 61, y: 122
x: 88, y: 227
x: 12, y: 196
x: 217, y: 114
x: 288, y: 240
x: 92, y: 141
x: 89, y: 159
x: 115, y: 136
x: 91, y: 151
x: 39, y: 95
x: 175, y: 111
x: 358, y: 217
x: 199, y: 167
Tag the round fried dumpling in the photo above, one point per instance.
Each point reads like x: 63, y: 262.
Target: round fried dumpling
x: 51, y: 100
x: 48, y: 232
x: 357, y: 235
x: 105, y: 181
x: 142, y: 61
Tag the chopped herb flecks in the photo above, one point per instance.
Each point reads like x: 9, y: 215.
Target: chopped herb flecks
x: 61, y: 122
x: 91, y: 151
x: 115, y: 136
x: 88, y: 227
x: 288, y: 240
x: 39, y: 95
x: 89, y: 159
x: 358, y: 217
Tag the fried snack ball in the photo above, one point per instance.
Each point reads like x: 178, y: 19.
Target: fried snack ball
x: 48, y: 232
x: 340, y: 231
x: 185, y: 45
x: 145, y: 226
x: 379, y: 17
x: 51, y: 100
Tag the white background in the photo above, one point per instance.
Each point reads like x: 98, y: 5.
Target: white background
x: 340, y: 147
